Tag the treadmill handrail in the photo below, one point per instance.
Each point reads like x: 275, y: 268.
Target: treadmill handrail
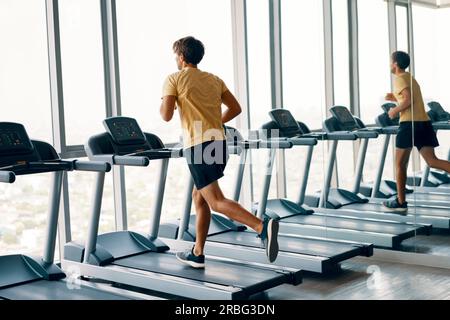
x: 97, y: 166
x: 122, y: 160
x: 7, y: 176
x: 303, y: 141
x: 441, y: 125
x: 41, y: 166
x: 366, y: 134
x: 389, y: 130
x: 341, y: 135
x: 318, y: 135
x: 249, y: 144
x: 174, y: 153
x: 278, y: 143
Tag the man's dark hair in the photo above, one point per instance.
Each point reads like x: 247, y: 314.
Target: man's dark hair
x: 401, y: 58
x: 190, y: 48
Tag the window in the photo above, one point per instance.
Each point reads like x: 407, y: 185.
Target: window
x: 82, y: 68
x: 24, y: 205
x: 24, y: 80
x: 401, y: 13
x: 374, y: 57
x: 81, y: 186
x: 24, y: 98
x: 374, y: 73
x: 260, y: 96
x: 431, y: 61
x: 342, y: 84
x: 303, y: 82
x: 258, y: 61
x: 303, y: 60
x: 341, y: 53
x: 145, y: 39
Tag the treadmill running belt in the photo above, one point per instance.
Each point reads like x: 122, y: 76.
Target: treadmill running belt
x: 216, y: 272
x: 429, y: 197
x: 352, y: 224
x: 55, y: 290
x: 321, y: 248
x: 421, y: 211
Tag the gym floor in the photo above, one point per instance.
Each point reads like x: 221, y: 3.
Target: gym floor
x: 363, y: 278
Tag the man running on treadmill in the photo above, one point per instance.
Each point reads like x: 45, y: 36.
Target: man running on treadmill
x: 413, y: 116
x: 199, y: 96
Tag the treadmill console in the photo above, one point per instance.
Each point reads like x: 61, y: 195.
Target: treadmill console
x: 124, y: 130
x: 437, y: 113
x: 14, y: 139
x: 346, y: 120
x: 126, y: 136
x: 286, y: 122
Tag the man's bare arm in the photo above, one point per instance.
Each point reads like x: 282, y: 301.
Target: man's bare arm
x: 233, y: 107
x: 167, y: 107
x: 403, y: 104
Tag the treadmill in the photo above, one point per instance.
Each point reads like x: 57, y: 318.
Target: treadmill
x: 144, y: 261
x: 423, y: 194
x: 227, y: 238
x: 24, y: 277
x: 342, y: 120
x: 297, y: 219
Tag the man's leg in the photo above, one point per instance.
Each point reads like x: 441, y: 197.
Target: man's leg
x: 401, y: 162
x: 430, y: 157
x: 233, y: 210
x: 202, y: 222
x: 268, y: 230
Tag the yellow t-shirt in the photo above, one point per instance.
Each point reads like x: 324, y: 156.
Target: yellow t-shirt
x: 417, y: 111
x: 199, y: 101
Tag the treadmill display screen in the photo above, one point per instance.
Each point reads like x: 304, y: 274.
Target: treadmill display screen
x: 344, y: 117
x: 124, y: 130
x: 285, y: 121
x: 14, y: 139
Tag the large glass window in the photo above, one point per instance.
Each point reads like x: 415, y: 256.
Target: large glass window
x: 374, y: 57
x: 401, y: 13
x: 82, y: 68
x: 24, y: 98
x: 303, y: 60
x: 24, y: 80
x: 258, y: 38
x: 145, y: 38
x: 431, y: 61
x: 374, y: 74
x: 341, y: 53
x: 24, y: 207
x: 303, y: 82
x: 81, y: 186
x: 342, y: 83
x: 259, y: 61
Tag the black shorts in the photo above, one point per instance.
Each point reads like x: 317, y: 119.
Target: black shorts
x: 424, y: 135
x: 207, y: 162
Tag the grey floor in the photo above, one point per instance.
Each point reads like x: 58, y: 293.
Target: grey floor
x: 436, y: 244
x: 364, y: 279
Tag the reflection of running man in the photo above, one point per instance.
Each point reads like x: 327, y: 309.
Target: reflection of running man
x: 199, y: 96
x: 413, y: 117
